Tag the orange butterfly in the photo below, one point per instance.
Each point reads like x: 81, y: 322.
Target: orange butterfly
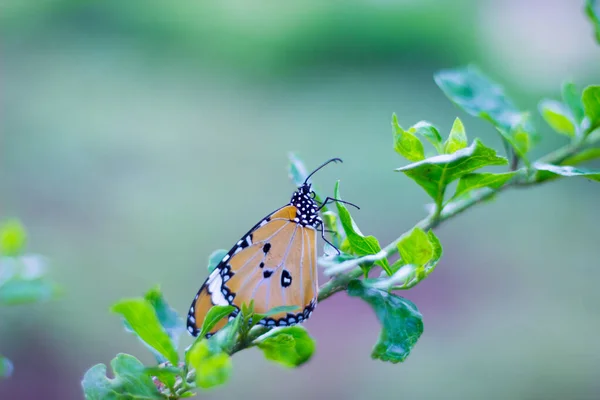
x: 274, y: 264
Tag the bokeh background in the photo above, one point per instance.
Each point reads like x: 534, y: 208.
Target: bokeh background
x: 139, y: 136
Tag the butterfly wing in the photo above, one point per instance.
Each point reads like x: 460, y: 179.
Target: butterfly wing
x: 274, y: 264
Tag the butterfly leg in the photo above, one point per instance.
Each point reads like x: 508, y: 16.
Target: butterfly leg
x: 322, y: 228
x: 332, y: 200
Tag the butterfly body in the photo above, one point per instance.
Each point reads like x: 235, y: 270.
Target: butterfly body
x: 274, y: 264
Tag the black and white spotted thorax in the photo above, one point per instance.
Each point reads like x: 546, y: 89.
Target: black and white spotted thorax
x: 307, y: 213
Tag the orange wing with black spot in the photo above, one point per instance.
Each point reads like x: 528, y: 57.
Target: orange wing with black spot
x: 274, y: 264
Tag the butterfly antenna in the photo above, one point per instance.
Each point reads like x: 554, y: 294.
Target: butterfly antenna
x: 321, y: 166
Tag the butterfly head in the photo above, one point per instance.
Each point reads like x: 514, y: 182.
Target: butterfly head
x: 307, y: 209
x: 304, y: 200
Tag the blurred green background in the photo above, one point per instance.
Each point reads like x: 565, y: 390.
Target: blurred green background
x: 139, y: 136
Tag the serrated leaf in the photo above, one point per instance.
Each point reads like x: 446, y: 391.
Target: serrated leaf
x: 582, y: 156
x: 591, y: 104
x: 402, y: 323
x: 415, y: 248
x: 143, y: 321
x: 359, y: 244
x: 290, y: 346
x: 558, y: 117
x: 429, y: 132
x: 474, y: 181
x: 572, y: 98
x: 167, y: 316
x: 213, y: 367
x: 22, y: 291
x: 592, y: 9
x: 457, y: 139
x: 6, y: 367
x: 435, y: 173
x: 479, y: 96
x: 130, y: 382
x: 12, y: 238
x: 213, y: 316
x: 215, y: 258
x: 549, y: 171
x: 405, y: 143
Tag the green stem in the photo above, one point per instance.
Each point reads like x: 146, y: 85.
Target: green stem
x: 439, y: 204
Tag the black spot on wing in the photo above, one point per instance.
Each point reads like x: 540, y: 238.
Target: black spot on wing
x: 286, y: 278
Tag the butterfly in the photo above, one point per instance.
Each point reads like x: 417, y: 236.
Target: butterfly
x: 274, y: 264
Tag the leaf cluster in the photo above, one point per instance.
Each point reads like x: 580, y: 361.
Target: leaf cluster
x: 22, y: 276
x: 206, y: 363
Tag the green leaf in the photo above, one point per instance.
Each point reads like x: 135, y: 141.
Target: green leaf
x: 130, y: 382
x: 279, y: 309
x: 592, y: 9
x: 401, y: 321
x: 479, y: 96
x: 215, y: 258
x: 359, y: 244
x: 429, y: 132
x: 591, y: 104
x: 437, y: 249
x: 435, y: 173
x: 457, y: 139
x: 572, y: 98
x: 420, y: 252
x: 213, y: 367
x: 142, y: 319
x: 167, y: 316
x: 22, y: 291
x: 6, y: 367
x: 549, y: 171
x: 275, y: 310
x: 290, y: 346
x: 582, y: 156
x: 474, y: 181
x: 520, y: 140
x: 167, y: 375
x: 331, y: 222
x: 213, y: 316
x: 558, y: 117
x: 297, y: 171
x: 415, y: 248
x: 405, y: 143
x: 12, y: 238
